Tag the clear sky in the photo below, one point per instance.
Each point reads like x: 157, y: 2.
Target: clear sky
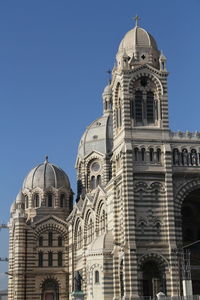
x: 54, y: 55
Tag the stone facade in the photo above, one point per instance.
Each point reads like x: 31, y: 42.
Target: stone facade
x: 137, y: 205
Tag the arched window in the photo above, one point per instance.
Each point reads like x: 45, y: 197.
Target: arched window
x: 151, y: 152
x: 150, y: 107
x: 60, y: 259
x: 92, y: 183
x: 98, y: 180
x: 26, y: 201
x: 49, y: 200
x: 143, y: 154
x: 62, y: 198
x: 103, y: 221
x: 50, y: 258
x: 79, y: 238
x: 90, y: 230
x: 60, y: 241
x: 41, y: 241
x: 136, y: 154
x: 96, y: 277
x: 40, y: 259
x: 158, y: 154
x: 50, y: 239
x: 36, y: 200
x: 138, y: 107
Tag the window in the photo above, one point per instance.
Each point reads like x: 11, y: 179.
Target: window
x: 62, y: 198
x: 36, y: 200
x: 136, y: 153
x: 150, y: 107
x: 99, y: 180
x: 138, y: 107
x: 143, y: 154
x: 158, y: 154
x: 49, y: 200
x: 26, y: 201
x: 151, y: 151
x: 79, y: 238
x: 60, y: 241
x: 40, y: 259
x: 50, y: 239
x: 50, y: 259
x: 60, y: 259
x: 92, y: 183
x: 96, y: 277
x: 90, y: 231
x: 41, y: 241
x: 103, y: 220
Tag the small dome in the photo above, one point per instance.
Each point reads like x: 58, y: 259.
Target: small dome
x: 20, y: 198
x: 107, y: 90
x: 13, y: 207
x: 97, y: 137
x: 46, y: 175
x: 103, y: 242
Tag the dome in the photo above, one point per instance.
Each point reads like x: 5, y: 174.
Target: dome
x: 139, y: 47
x: 136, y: 37
x: 46, y: 175
x: 97, y: 137
x: 107, y: 90
x: 103, y: 243
x: 20, y: 198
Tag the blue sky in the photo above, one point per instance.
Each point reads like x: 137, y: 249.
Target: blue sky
x: 53, y: 61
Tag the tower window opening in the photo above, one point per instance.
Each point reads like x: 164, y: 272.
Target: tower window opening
x: 138, y: 107
x: 185, y: 157
x: 98, y: 180
x: 96, y: 277
x: 92, y: 183
x: 136, y: 154
x: 143, y: 154
x: 150, y: 107
x: 50, y: 200
x: 50, y: 239
x: 50, y: 258
x: 37, y: 200
x: 40, y: 259
x: 41, y: 239
x: 62, y: 198
x: 151, y: 152
x: 158, y: 154
x: 79, y: 238
x: 60, y: 241
x: 60, y: 259
x: 26, y: 201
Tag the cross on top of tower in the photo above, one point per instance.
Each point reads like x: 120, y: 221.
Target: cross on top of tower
x: 136, y: 18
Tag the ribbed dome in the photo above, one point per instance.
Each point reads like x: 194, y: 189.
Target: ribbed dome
x: 136, y: 37
x: 46, y: 175
x: 97, y: 137
x: 107, y: 90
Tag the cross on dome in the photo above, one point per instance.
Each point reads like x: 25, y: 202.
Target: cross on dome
x: 136, y: 18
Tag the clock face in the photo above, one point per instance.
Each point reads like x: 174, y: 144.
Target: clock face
x: 95, y: 166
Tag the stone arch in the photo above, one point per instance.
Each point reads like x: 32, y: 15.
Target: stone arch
x: 51, y: 227
x: 151, y: 76
x: 183, y: 192
x: 50, y: 288
x: 158, y: 258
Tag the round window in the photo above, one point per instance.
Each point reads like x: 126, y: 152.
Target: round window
x: 95, y: 166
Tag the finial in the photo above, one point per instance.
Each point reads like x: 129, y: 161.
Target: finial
x: 46, y: 159
x: 109, y: 76
x: 136, y: 18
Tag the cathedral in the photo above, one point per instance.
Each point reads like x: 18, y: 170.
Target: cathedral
x: 134, y: 228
